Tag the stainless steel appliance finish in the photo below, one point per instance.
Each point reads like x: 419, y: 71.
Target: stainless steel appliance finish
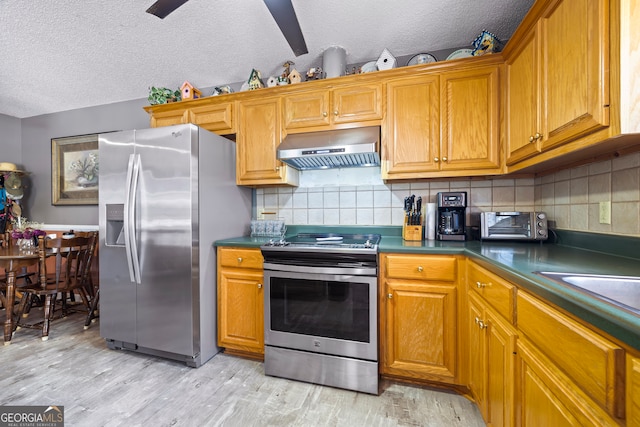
x: 166, y: 194
x: 621, y: 291
x: 331, y: 149
x: 514, y: 226
x: 451, y: 215
x: 321, y: 310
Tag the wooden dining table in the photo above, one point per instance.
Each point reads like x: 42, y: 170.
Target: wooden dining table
x: 12, y: 259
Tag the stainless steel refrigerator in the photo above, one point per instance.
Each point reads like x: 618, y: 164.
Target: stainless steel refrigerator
x: 165, y: 195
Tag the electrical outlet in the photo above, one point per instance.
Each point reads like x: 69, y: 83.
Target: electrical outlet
x: 605, y: 212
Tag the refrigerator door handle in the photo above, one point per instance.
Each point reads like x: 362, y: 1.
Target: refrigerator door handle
x: 129, y: 218
x: 132, y: 219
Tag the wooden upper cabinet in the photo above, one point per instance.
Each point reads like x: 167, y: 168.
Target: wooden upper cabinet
x: 411, y: 134
x: 557, y: 83
x: 470, y: 119
x: 443, y: 124
x: 329, y: 107
x: 218, y: 118
x: 575, y: 88
x: 259, y: 134
x: 524, y: 129
x: 169, y: 117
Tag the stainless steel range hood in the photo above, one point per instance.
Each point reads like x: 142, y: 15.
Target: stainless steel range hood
x: 343, y: 148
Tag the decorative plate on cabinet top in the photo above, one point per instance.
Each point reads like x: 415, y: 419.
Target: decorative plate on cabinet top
x: 369, y: 67
x: 422, y: 58
x: 460, y: 53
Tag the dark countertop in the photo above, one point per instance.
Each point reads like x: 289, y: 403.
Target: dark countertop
x: 517, y: 262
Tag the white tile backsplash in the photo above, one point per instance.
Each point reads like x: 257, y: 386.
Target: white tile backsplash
x: 570, y: 197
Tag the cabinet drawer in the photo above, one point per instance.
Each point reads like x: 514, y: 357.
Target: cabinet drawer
x: 421, y: 267
x: 495, y: 290
x: 240, y: 258
x: 595, y: 364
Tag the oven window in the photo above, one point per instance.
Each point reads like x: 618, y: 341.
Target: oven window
x: 320, y: 308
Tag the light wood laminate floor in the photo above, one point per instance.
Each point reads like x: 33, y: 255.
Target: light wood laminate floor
x: 102, y: 387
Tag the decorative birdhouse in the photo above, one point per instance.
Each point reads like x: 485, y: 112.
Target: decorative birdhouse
x: 386, y: 61
x: 255, y: 80
x: 189, y: 92
x: 295, y: 77
x: 272, y: 81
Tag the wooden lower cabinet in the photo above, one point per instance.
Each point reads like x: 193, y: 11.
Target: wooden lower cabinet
x: 419, y: 318
x: 492, y: 345
x: 241, y: 301
x: 633, y: 391
x: 546, y: 397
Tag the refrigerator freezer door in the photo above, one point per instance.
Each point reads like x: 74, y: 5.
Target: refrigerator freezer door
x: 165, y: 216
x: 117, y: 290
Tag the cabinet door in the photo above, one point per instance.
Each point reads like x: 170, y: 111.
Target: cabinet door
x: 241, y: 310
x: 633, y: 391
x: 575, y: 82
x: 214, y: 117
x: 170, y: 117
x: 477, y: 355
x: 357, y: 103
x: 522, y: 98
x: 547, y: 398
x: 470, y: 120
x: 411, y: 137
x: 421, y: 331
x: 259, y: 135
x: 307, y: 109
x: 500, y: 349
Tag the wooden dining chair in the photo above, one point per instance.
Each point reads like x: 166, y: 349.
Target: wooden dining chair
x: 72, y: 264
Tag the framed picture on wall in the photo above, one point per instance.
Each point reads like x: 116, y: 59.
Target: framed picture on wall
x: 74, y: 170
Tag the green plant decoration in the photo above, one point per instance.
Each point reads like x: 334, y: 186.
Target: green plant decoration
x: 162, y: 95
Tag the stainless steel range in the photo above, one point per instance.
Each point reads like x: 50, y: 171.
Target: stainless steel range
x: 321, y: 309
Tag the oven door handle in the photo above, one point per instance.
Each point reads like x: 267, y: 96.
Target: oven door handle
x: 339, y: 271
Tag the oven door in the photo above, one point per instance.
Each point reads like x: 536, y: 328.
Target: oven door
x: 322, y: 313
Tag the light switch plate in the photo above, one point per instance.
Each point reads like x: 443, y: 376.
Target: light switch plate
x: 605, y: 212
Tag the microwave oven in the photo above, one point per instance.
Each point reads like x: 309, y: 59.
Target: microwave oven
x: 514, y: 226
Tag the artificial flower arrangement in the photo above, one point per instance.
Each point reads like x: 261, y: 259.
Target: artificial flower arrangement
x: 26, y: 230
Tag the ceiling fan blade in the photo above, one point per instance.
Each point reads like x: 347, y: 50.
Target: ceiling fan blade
x: 162, y: 8
x: 285, y: 16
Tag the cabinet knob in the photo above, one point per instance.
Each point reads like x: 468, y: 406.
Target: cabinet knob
x: 435, y: 159
x: 420, y: 268
x: 537, y: 136
x: 444, y: 159
x: 259, y: 285
x: 239, y: 259
x: 531, y: 138
x: 335, y: 113
x: 390, y: 296
x: 324, y: 114
x: 480, y: 285
x: 482, y: 325
x: 277, y: 168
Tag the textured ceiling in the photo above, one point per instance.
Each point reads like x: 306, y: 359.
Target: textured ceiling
x: 62, y: 55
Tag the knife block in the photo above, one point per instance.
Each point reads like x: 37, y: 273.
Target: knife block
x: 411, y: 232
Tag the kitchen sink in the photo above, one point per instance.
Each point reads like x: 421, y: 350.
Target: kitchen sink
x: 622, y: 291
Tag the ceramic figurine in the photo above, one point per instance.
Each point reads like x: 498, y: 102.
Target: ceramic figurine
x: 485, y: 43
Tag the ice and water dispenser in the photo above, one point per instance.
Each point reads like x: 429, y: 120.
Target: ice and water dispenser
x: 115, y: 225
